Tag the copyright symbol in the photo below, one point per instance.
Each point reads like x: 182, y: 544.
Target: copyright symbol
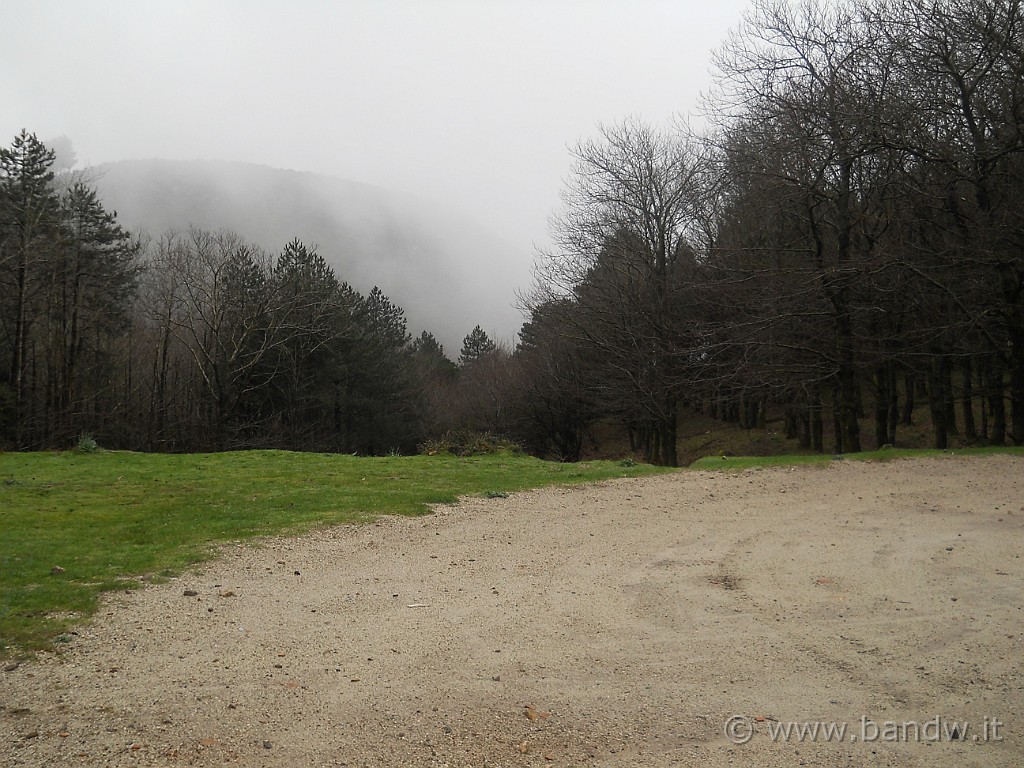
x: 738, y: 729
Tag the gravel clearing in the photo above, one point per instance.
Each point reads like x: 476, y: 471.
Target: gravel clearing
x: 619, y: 624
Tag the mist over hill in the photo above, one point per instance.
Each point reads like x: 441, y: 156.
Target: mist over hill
x: 448, y: 273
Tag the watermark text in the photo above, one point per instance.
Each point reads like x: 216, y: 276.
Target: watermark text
x: 740, y: 729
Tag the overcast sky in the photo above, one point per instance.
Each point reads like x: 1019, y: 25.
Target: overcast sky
x: 468, y: 102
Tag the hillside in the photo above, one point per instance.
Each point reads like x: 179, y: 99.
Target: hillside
x: 448, y: 273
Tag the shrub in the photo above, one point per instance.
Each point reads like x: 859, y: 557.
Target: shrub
x: 86, y: 444
x: 466, y: 442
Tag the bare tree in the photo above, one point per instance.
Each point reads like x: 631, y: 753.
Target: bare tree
x: 623, y: 270
x: 802, y: 101
x: 961, y: 64
x: 220, y: 304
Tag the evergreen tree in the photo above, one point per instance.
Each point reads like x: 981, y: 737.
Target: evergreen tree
x: 29, y: 213
x: 381, y: 408
x: 311, y: 362
x: 430, y: 357
x: 89, y: 300
x: 476, y: 346
x: 436, y: 385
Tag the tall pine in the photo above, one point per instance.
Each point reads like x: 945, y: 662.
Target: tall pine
x: 29, y: 213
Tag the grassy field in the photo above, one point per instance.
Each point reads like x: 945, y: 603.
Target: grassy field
x: 73, y: 525
x: 700, y: 435
x: 885, y: 454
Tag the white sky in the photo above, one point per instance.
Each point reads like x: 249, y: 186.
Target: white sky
x: 471, y: 103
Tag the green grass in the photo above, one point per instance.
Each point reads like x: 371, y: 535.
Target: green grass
x: 107, y: 518
x: 884, y: 454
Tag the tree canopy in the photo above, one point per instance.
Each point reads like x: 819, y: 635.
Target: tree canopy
x: 842, y: 243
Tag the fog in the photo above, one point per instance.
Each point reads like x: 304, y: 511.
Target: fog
x: 470, y: 104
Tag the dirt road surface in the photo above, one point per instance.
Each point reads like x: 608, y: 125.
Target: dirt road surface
x: 621, y: 624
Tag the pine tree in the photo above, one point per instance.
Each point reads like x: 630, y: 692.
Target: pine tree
x: 379, y: 408
x: 90, y: 298
x: 431, y: 361
x: 310, y: 362
x: 29, y: 212
x: 475, y: 346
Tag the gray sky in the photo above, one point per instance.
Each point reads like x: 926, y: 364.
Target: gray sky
x: 472, y: 103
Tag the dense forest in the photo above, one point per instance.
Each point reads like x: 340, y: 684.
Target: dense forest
x: 842, y: 241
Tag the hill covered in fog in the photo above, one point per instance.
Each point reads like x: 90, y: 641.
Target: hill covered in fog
x: 446, y: 272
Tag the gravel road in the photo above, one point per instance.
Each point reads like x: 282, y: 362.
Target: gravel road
x: 619, y: 624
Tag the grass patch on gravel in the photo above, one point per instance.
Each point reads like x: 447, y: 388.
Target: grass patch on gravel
x: 74, y: 525
x: 883, y: 454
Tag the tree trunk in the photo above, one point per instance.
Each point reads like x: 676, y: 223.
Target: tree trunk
x: 881, y: 406
x: 20, y: 356
x: 967, y: 400
x: 654, y: 445
x: 668, y: 442
x: 751, y: 410
x: 848, y: 389
x: 805, y: 428
x: 1017, y: 403
x: 792, y: 417
x: 663, y: 430
x: 909, y: 385
x: 948, y: 395
x: 817, y: 427
x: 837, y: 421
x: 996, y: 405
x: 984, y: 415
x: 937, y: 402
x: 1016, y: 332
x: 894, y: 403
